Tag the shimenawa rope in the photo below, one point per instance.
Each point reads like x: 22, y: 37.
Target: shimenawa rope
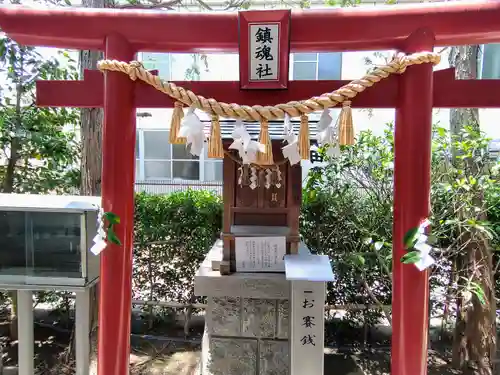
x: 135, y: 70
x: 397, y: 65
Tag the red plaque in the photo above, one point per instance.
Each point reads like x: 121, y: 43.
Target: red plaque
x: 264, y: 49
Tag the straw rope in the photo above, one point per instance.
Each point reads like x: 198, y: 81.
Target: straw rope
x: 397, y: 65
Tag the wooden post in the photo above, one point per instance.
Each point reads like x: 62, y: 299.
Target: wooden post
x: 410, y: 296
x: 118, y: 164
x: 82, y: 332
x: 26, y: 332
x: 307, y: 328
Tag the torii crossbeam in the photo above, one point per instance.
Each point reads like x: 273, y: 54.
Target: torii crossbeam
x: 121, y: 34
x: 448, y: 92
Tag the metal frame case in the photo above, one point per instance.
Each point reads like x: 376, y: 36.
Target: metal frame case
x: 88, y: 208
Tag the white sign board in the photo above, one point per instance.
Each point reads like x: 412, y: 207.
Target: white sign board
x: 260, y: 254
x: 264, y: 52
x: 307, y: 327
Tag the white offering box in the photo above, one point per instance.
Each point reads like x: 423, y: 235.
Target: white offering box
x: 45, y: 241
x: 308, y: 275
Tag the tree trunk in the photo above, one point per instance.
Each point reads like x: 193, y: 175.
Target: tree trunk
x: 8, y: 182
x: 91, y: 135
x: 464, y: 59
x: 474, y: 344
x: 9, y: 187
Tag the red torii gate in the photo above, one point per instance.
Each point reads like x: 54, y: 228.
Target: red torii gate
x: 121, y: 34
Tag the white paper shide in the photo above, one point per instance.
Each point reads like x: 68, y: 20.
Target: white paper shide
x: 243, y: 143
x: 291, y: 150
x: 264, y: 52
x: 307, y: 333
x: 100, y: 238
x: 260, y: 254
x: 192, y: 129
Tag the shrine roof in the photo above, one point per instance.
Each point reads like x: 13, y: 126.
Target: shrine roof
x: 253, y: 128
x: 276, y: 132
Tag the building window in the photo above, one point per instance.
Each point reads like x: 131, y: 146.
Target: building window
x: 184, y: 165
x: 212, y: 168
x: 137, y: 157
x: 315, y: 66
x: 157, y: 155
x: 158, y: 61
x: 157, y: 159
x: 490, y: 61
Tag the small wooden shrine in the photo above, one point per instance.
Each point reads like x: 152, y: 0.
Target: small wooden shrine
x: 262, y: 180
x: 259, y: 201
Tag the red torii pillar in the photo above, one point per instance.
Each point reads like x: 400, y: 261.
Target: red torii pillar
x: 126, y: 32
x: 118, y: 180
x: 412, y: 182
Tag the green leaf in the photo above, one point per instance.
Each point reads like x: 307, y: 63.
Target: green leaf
x: 112, y: 218
x: 410, y: 238
x: 358, y: 259
x: 441, y: 131
x: 411, y: 257
x: 480, y: 296
x: 477, y: 290
x: 112, y: 237
x: 312, y: 194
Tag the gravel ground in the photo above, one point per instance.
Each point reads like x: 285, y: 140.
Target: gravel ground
x: 177, y: 357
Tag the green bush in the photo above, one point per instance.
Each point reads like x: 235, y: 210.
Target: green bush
x: 347, y: 212
x: 347, y: 215
x: 172, y: 235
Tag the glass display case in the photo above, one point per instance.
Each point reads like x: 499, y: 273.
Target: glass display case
x: 45, y: 240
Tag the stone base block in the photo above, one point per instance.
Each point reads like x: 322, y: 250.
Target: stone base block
x: 247, y: 336
x: 246, y: 329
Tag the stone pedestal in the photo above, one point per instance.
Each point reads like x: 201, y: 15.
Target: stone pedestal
x: 246, y: 329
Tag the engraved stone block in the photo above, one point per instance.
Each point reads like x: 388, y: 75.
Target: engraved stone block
x: 267, y: 286
x: 273, y: 358
x: 224, y: 316
x: 259, y: 317
x: 283, y: 311
x: 233, y: 356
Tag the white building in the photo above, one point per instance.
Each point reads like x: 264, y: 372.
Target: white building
x: 161, y: 167
x: 158, y: 161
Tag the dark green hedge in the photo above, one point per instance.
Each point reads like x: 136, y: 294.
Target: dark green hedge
x: 172, y: 234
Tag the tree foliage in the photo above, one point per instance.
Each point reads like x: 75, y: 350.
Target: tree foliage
x: 38, y: 154
x: 347, y: 214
